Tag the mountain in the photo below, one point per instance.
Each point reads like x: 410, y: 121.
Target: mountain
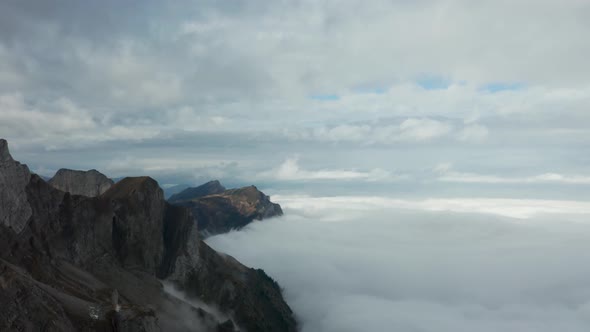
x: 175, y: 189
x: 209, y: 188
x: 86, y: 183
x: 78, y: 263
x: 217, y: 210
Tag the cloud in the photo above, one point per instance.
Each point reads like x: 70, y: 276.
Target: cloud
x: 410, y: 130
x: 473, y: 133
x: 504, y: 207
x: 449, y: 175
x: 237, y: 81
x: 423, y: 129
x: 289, y: 170
x: 350, y: 265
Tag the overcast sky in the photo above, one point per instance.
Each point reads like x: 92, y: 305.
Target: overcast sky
x: 451, y: 97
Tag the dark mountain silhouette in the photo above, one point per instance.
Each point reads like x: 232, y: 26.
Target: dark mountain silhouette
x: 62, y: 256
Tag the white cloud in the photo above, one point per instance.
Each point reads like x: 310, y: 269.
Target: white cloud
x: 423, y: 129
x: 410, y: 130
x: 473, y: 133
x: 513, y: 208
x: 361, y: 265
x: 60, y: 118
x: 289, y: 170
x: 447, y: 174
x: 217, y: 80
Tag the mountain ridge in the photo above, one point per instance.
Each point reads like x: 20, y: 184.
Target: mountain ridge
x: 63, y: 257
x: 218, y: 210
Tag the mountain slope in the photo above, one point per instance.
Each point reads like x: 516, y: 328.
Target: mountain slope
x: 225, y: 210
x: 62, y: 256
x: 209, y: 188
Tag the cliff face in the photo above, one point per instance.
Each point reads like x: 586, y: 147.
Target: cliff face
x: 15, y: 210
x: 86, y: 183
x: 230, y: 209
x: 62, y: 255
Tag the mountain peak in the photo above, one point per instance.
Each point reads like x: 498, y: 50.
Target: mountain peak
x: 210, y: 188
x: 4, y: 152
x: 90, y: 183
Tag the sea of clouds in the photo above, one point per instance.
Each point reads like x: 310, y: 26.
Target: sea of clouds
x: 379, y: 264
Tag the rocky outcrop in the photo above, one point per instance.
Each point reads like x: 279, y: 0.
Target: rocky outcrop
x: 209, y: 188
x: 15, y: 210
x: 253, y: 297
x: 230, y: 209
x: 90, y: 183
x: 61, y: 261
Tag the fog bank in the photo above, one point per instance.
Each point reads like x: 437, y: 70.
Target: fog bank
x: 349, y: 264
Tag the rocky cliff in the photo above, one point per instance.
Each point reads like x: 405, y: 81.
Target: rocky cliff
x: 87, y: 183
x: 220, y: 211
x: 63, y: 255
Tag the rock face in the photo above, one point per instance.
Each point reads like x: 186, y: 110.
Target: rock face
x: 209, y: 188
x: 61, y: 259
x: 230, y: 209
x: 90, y: 183
x: 253, y: 296
x: 15, y: 210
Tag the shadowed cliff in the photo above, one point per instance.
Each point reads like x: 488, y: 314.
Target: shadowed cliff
x: 62, y: 255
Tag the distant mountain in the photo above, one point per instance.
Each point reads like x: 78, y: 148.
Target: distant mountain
x: 79, y: 263
x: 86, y: 183
x: 169, y: 191
x: 218, y: 210
x: 209, y: 188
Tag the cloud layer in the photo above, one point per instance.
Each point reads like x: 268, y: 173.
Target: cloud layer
x: 353, y: 265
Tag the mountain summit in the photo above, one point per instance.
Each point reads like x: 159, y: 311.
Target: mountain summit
x: 86, y: 183
x: 217, y: 210
x: 209, y: 188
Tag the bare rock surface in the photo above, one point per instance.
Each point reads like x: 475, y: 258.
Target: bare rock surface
x: 230, y: 209
x: 90, y: 183
x: 15, y: 210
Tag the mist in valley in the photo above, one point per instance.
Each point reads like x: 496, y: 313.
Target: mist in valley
x: 348, y: 264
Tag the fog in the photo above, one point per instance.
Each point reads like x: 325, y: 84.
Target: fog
x: 348, y: 264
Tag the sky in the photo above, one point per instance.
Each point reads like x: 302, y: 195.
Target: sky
x: 431, y: 156
x: 407, y: 98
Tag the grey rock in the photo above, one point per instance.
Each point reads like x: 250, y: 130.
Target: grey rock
x: 90, y: 183
x: 4, y: 152
x: 137, y: 224
x: 254, y: 298
x: 15, y: 209
x: 231, y: 209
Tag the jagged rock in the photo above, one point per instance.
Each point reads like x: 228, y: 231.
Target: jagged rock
x: 4, y: 152
x: 61, y: 264
x: 137, y: 223
x: 253, y: 297
x: 26, y: 306
x: 209, y: 188
x: 15, y: 210
x: 90, y: 183
x: 231, y: 209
